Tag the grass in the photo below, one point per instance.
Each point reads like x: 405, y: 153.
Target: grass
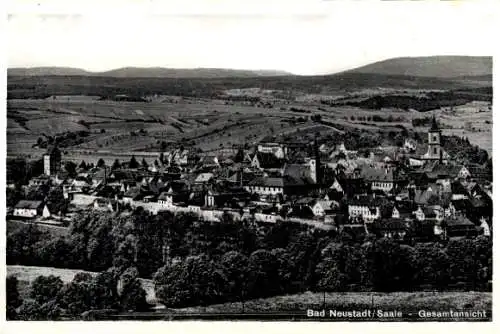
x: 295, y: 304
x: 54, y: 231
x: 357, y: 300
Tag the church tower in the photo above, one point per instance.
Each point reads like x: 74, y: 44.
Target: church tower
x: 52, y: 161
x: 434, y: 150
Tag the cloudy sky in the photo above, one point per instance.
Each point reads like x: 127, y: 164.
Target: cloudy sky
x: 322, y: 37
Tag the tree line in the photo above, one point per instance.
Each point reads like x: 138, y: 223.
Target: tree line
x: 201, y: 263
x: 50, y: 299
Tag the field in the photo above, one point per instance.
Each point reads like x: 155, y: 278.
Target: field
x: 294, y: 307
x: 26, y: 275
x: 129, y: 128
x: 54, y: 231
x: 287, y: 306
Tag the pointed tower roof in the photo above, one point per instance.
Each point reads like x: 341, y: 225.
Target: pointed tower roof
x: 434, y: 125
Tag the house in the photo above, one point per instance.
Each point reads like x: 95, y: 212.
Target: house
x: 393, y: 228
x: 30, y: 209
x: 336, y: 186
x: 266, y: 186
x: 279, y: 150
x: 284, y: 185
x: 209, y: 161
x: 267, y: 161
x: 41, y: 180
x: 459, y: 227
x: 166, y: 198
x: 178, y: 192
x: 385, y: 179
x: 204, y: 178
x: 485, y: 227
x: 434, y: 212
x: 366, y: 207
x: 133, y: 194
x: 423, y: 231
x: 322, y: 208
x: 103, y: 204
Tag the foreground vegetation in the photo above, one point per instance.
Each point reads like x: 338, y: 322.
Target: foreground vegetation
x: 354, y: 300
x: 201, y: 263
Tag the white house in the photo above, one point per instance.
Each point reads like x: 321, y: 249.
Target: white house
x: 322, y: 208
x: 486, y: 227
x: 366, y: 208
x: 266, y: 186
x: 336, y: 186
x: 166, y: 198
x: 30, y: 209
x: 395, y: 213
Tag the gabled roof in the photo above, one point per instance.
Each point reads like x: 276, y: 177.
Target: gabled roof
x: 267, y: 182
x: 434, y: 125
x: 326, y: 205
x: 133, y: 192
x: 269, y: 160
x: 298, y: 172
x: 378, y: 174
x: 26, y: 204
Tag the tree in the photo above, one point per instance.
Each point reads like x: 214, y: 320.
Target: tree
x: 133, y: 163
x: 56, y: 201
x: 13, y: 196
x: 45, y: 288
x: 70, y: 167
x: 195, y: 281
x: 132, y: 295
x: 144, y: 163
x: 235, y: 267
x: 13, y: 298
x: 263, y: 279
x: 101, y: 163
x: 433, y: 265
x: 116, y: 165
x: 30, y: 310
x: 83, y: 165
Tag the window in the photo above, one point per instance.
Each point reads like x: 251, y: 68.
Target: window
x: 435, y: 150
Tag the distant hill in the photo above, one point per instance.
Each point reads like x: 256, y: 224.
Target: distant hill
x: 45, y: 71
x: 435, y: 66
x: 144, y: 72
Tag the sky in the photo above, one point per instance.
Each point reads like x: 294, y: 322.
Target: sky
x: 322, y: 37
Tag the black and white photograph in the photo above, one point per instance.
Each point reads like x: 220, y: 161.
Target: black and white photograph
x: 318, y: 161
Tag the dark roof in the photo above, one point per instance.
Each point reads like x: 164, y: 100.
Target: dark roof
x: 25, y: 204
x: 369, y: 201
x: 434, y: 125
x: 378, y: 174
x: 268, y: 182
x: 269, y: 160
x: 133, y: 192
x: 460, y: 221
x: 390, y: 224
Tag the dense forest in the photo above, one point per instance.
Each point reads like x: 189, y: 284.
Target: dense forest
x: 200, y: 263
x: 431, y: 100
x: 136, y: 88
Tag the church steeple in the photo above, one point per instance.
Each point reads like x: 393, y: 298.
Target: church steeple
x: 434, y: 141
x: 434, y: 125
